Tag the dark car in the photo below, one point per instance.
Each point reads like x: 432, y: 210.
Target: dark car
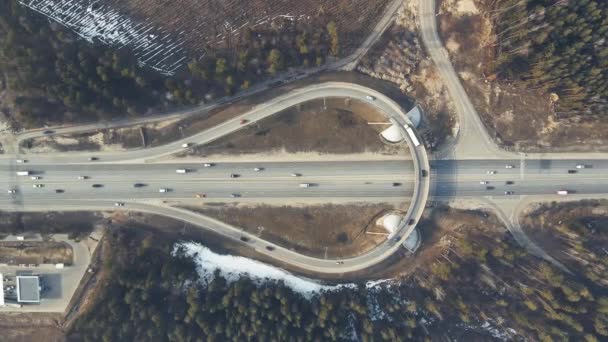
x: 59, y: 191
x: 509, y: 182
x: 139, y: 185
x: 571, y: 171
x: 234, y: 175
x: 396, y: 184
x: 490, y: 188
x: 270, y: 248
x: 48, y: 131
x: 93, y: 158
x: 411, y: 222
x: 244, y: 238
x: 97, y: 185
x: 425, y: 173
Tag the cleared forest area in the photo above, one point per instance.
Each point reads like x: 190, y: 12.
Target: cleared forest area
x: 205, y: 24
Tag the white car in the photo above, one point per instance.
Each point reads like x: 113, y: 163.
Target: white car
x: 21, y: 161
x: 82, y: 177
x: 207, y: 165
x: 508, y: 166
x: 119, y: 204
x: 581, y: 166
x: 508, y: 192
x: 38, y: 185
x: 491, y: 172
x: 12, y: 191
x: 35, y: 177
x: 371, y: 98
x: 484, y: 182
x: 181, y: 170
x: 163, y: 190
x: 184, y: 145
x: 296, y: 174
x: 305, y: 185
x: 258, y: 169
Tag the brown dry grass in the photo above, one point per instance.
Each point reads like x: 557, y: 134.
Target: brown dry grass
x: 337, y: 126
x: 28, y: 327
x: 35, y: 252
x: 332, y: 231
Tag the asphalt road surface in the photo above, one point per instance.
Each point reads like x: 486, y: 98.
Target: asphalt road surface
x: 350, y: 181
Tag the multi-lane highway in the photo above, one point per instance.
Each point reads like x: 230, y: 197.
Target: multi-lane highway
x: 350, y: 181
x: 482, y: 172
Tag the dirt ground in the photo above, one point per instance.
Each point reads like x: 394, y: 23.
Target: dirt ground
x: 438, y: 228
x: 330, y: 231
x: 114, y: 139
x: 34, y: 252
x: 399, y: 57
x: 29, y: 327
x: 331, y: 126
x: 204, y: 24
x: 519, y: 118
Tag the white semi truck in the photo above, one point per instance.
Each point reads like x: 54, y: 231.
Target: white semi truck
x: 23, y: 173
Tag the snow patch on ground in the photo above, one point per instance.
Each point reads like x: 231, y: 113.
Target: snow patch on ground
x: 233, y: 267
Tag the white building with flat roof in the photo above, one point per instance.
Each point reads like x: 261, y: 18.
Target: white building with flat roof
x: 28, y: 289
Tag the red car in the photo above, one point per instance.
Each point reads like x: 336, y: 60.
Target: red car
x: 244, y: 121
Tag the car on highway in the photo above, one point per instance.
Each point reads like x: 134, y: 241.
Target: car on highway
x: 59, y: 191
x: 572, y: 171
x: 424, y: 173
x: 201, y: 195
x: 35, y: 177
x: 139, y: 185
x: 509, y: 182
x: 93, y: 158
x: 234, y: 175
x: 48, y: 131
x: 244, y: 121
x: 508, y: 166
x: 490, y: 188
x: 483, y: 182
x: 491, y: 172
x: 371, y: 98
x: 83, y: 177
x: 296, y: 174
x: 185, y: 145
x: 208, y: 165
x: 411, y: 221
x: 164, y: 190
x: 38, y: 185
x: 258, y: 169
x: 21, y: 161
x: 97, y: 185
x: 305, y: 185
x: 339, y: 262
x: 235, y: 195
x: 581, y: 166
x: 396, y: 184
x: 12, y: 191
x: 270, y: 248
x: 119, y: 204
x: 562, y: 192
x: 509, y: 192
x: 244, y: 238
x: 181, y: 171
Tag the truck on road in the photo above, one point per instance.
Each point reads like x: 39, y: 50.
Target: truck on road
x: 562, y: 192
x: 23, y: 173
x: 181, y: 170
